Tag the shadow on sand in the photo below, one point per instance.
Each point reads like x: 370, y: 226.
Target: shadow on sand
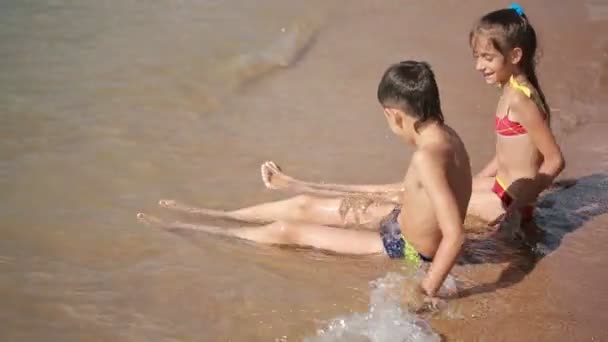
x: 558, y: 213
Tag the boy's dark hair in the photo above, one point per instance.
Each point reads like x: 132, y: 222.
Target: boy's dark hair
x: 410, y: 86
x: 507, y: 29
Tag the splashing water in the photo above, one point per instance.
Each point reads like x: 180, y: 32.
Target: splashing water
x: 385, y: 320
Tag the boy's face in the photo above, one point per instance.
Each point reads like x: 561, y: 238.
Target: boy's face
x: 493, y: 66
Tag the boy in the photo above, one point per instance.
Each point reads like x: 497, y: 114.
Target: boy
x: 425, y: 225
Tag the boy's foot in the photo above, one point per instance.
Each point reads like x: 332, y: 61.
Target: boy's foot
x: 149, y: 220
x: 230, y: 215
x: 273, y: 177
x: 175, y: 205
x: 156, y: 222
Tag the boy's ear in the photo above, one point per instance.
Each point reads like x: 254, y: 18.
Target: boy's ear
x: 516, y: 55
x: 387, y: 113
x: 395, y: 116
x: 398, y: 120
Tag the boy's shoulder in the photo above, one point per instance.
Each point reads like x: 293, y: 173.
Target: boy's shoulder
x: 438, y: 152
x: 431, y: 155
x: 444, y: 143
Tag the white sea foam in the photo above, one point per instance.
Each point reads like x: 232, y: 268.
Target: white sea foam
x: 386, y: 320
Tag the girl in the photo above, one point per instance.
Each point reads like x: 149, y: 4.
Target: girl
x: 528, y: 158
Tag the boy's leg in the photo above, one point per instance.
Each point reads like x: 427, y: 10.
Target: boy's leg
x: 289, y: 233
x: 303, y: 208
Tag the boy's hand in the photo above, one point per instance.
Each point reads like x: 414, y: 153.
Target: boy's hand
x: 421, y: 302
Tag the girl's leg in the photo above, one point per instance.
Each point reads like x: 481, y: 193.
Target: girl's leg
x: 484, y: 203
x: 303, y: 208
x: 274, y: 178
x: 483, y: 183
x: 288, y: 233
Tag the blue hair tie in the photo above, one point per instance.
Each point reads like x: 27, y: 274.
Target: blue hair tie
x: 517, y: 8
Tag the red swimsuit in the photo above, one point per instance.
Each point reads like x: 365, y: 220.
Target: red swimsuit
x: 505, y: 127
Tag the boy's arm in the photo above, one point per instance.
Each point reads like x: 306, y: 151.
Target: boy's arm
x: 432, y: 175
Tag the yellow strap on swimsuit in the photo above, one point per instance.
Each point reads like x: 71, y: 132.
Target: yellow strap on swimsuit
x: 516, y: 85
x: 528, y: 92
x: 500, y: 182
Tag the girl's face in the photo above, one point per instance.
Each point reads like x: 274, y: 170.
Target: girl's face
x: 492, y: 64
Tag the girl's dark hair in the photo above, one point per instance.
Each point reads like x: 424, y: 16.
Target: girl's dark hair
x: 508, y: 29
x: 411, y: 87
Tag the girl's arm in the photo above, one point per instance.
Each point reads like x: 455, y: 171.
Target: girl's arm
x: 529, y: 115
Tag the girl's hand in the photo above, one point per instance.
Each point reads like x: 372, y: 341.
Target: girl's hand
x: 525, y: 191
